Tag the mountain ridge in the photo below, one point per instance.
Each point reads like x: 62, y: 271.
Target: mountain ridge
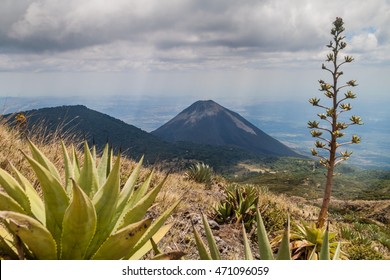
x: 100, y: 128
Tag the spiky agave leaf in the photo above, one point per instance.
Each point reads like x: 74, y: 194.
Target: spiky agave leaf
x: 126, y: 193
x: 148, y: 245
x: 36, y: 203
x: 55, y: 199
x: 105, y: 165
x: 152, y: 230
x: 69, y: 169
x: 75, y: 164
x: 265, y: 250
x: 139, y: 193
x: 141, y: 207
x: 202, y: 250
x: 107, y: 195
x: 118, y: 245
x: 284, y: 249
x: 214, y: 252
x: 88, y: 179
x: 43, y: 160
x: 325, y: 250
x: 129, y: 186
x: 33, y: 234
x: 79, y: 225
x: 14, y: 191
x: 247, y: 248
x: 7, y: 247
x: 7, y: 203
x: 337, y: 253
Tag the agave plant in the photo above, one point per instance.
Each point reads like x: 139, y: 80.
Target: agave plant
x: 308, y: 240
x: 311, y: 243
x: 239, y: 205
x: 200, y: 173
x: 264, y: 245
x: 89, y: 216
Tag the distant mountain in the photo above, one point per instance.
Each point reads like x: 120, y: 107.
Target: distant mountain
x: 101, y: 129
x: 207, y: 122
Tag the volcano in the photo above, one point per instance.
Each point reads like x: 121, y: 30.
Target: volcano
x: 207, y: 122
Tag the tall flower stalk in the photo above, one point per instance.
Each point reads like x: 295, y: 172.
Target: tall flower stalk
x: 331, y: 129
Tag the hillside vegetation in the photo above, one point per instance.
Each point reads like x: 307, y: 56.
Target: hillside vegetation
x: 362, y: 224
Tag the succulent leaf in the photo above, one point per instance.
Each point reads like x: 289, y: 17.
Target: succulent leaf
x: 139, y: 193
x: 324, y: 253
x: 152, y: 230
x: 107, y: 195
x: 128, y: 188
x: 43, y: 160
x: 284, y: 249
x: 7, y: 246
x: 247, y: 248
x: 141, y: 207
x: 36, y: 203
x: 265, y: 250
x: 337, y: 253
x: 69, y: 169
x: 37, y: 238
x: 118, y: 245
x: 7, y: 203
x: 14, y: 190
x: 76, y: 164
x: 214, y: 252
x: 203, y: 254
x: 55, y: 199
x: 104, y: 167
x: 88, y: 179
x: 148, y: 245
x: 79, y: 225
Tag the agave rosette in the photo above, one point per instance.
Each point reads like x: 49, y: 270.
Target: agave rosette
x: 89, y: 216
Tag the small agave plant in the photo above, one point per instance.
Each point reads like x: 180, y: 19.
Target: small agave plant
x: 264, y: 245
x: 239, y: 205
x: 90, y: 216
x: 200, y: 173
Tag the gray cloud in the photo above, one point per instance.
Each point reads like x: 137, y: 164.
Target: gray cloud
x: 99, y: 35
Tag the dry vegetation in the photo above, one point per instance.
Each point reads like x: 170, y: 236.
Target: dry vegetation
x: 195, y: 198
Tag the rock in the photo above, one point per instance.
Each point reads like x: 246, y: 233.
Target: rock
x: 213, y: 224
x: 196, y: 219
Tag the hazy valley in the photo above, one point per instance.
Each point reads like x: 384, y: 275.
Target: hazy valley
x: 285, y: 121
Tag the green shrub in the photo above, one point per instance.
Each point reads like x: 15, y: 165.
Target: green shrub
x: 89, y: 216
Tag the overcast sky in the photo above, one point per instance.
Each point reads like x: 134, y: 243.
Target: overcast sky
x: 268, y: 49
